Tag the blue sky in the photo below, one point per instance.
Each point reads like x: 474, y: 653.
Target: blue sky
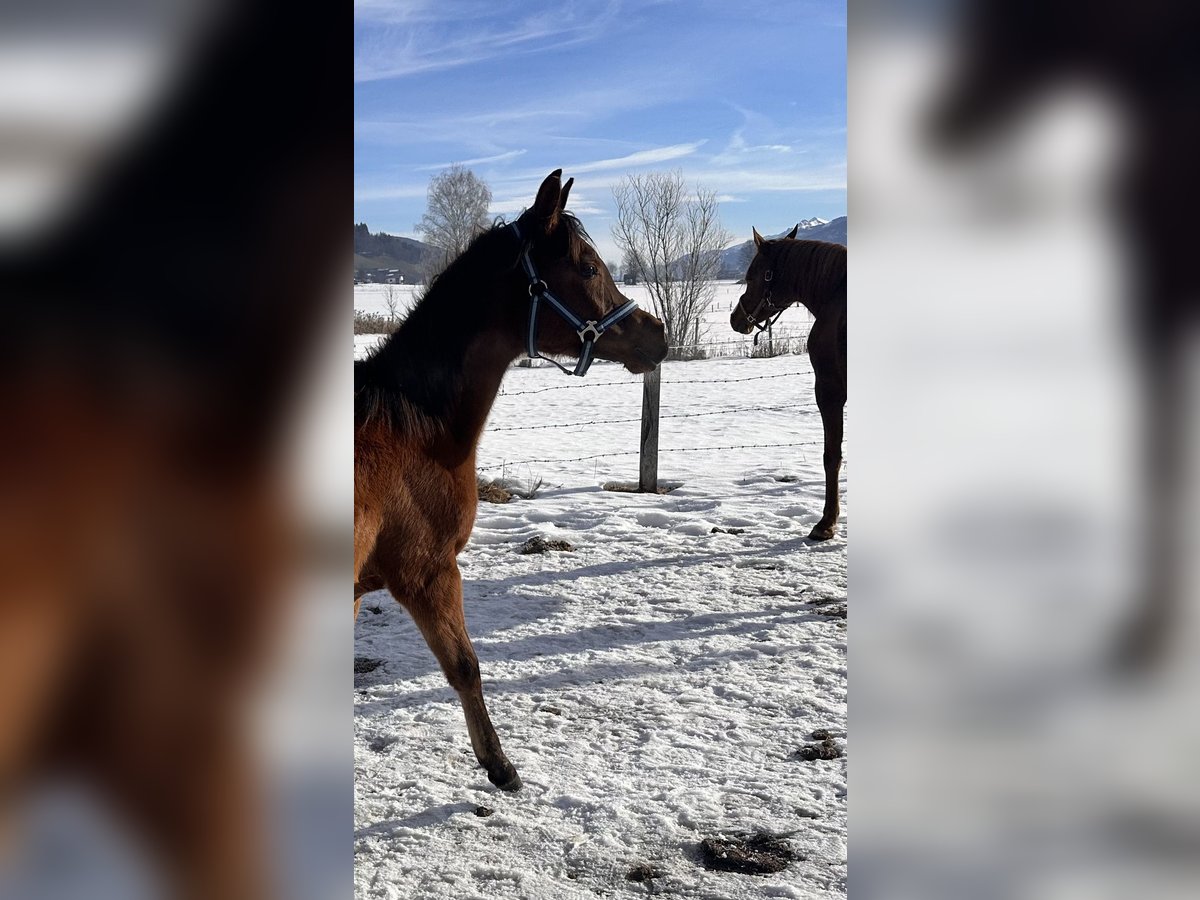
x: 747, y: 98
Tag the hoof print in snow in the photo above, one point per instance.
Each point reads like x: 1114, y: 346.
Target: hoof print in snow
x: 643, y: 872
x: 483, y: 811
x: 380, y: 744
x: 374, y: 610
x: 363, y: 664
x: 824, y: 748
x: 718, y: 530
x: 539, y: 544
x: 759, y: 854
x: 831, y: 607
x: 787, y: 479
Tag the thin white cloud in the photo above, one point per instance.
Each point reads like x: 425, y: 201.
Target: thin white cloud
x: 478, y: 161
x: 538, y: 118
x: 390, y: 43
x: 506, y: 206
x: 640, y: 158
x: 509, y: 206
x: 390, y: 192
x: 407, y: 12
x: 746, y: 181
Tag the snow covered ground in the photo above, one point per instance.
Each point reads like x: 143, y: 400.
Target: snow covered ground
x: 651, y: 687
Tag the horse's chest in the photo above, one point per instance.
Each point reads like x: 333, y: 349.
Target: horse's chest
x: 441, y: 507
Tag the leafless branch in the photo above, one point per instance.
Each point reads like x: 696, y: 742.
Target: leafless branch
x: 672, y: 242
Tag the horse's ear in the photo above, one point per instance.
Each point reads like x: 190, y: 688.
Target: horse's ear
x: 758, y: 238
x: 566, y: 192
x: 795, y: 228
x: 546, y: 207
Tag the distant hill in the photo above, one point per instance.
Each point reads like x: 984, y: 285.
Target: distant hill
x: 735, y: 259
x: 375, y: 255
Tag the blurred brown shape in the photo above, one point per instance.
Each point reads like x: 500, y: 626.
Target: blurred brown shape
x: 150, y: 353
x: 1010, y: 55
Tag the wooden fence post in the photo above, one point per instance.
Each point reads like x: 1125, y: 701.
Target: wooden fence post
x: 648, y: 468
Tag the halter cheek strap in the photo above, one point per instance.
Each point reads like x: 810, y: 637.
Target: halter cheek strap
x: 771, y: 309
x: 589, y: 332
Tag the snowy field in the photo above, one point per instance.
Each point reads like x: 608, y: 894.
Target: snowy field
x: 652, y: 687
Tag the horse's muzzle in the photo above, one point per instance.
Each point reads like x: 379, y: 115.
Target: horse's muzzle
x: 739, y: 321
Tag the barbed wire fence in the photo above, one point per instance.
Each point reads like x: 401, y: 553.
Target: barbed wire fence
x: 652, y: 419
x: 786, y: 339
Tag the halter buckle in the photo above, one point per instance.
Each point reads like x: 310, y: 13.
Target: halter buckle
x: 538, y: 287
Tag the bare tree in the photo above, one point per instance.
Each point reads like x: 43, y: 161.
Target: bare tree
x: 456, y: 209
x: 391, y: 300
x: 672, y: 241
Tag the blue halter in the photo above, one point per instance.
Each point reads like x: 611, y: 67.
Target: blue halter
x: 589, y: 332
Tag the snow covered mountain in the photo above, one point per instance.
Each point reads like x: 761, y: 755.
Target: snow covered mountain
x: 735, y: 259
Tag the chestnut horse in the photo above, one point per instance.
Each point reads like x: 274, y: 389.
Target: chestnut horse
x: 787, y: 271
x: 422, y: 398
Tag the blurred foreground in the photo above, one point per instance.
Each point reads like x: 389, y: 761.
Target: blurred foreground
x: 174, y: 180
x: 1023, y: 332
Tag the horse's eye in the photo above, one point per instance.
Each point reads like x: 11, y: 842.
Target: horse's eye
x: 590, y: 271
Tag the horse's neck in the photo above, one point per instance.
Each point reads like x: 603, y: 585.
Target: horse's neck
x: 821, y: 295
x: 453, y: 355
x: 823, y: 301
x: 488, y: 358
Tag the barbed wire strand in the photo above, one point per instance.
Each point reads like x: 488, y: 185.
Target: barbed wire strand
x: 599, y: 384
x: 711, y: 412
x: 747, y: 342
x: 661, y: 450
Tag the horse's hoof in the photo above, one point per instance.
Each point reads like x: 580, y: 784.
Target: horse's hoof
x: 506, y: 781
x: 821, y: 534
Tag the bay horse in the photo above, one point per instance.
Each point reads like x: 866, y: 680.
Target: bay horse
x: 787, y: 271
x: 422, y: 398
x: 1146, y: 64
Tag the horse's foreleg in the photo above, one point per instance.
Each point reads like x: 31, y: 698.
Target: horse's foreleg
x: 439, y: 615
x: 831, y: 402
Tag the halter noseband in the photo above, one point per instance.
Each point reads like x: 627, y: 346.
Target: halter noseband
x: 773, y: 311
x: 589, y: 332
